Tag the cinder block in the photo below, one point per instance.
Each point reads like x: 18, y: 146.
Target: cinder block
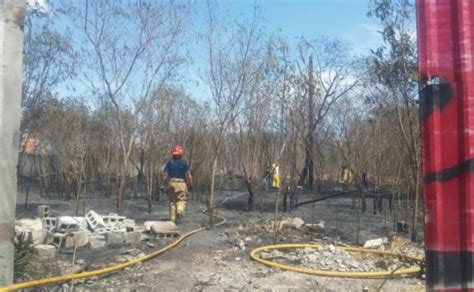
x: 133, y: 237
x: 102, y: 230
x: 94, y: 220
x: 43, y: 211
x: 59, y: 240
x: 129, y: 225
x: 45, y: 251
x: 97, y: 241
x: 77, y: 239
x: 148, y: 224
x: 50, y: 223
x: 67, y: 224
x: 139, y: 228
x: 115, y: 238
x: 163, y: 227
x: 113, y: 218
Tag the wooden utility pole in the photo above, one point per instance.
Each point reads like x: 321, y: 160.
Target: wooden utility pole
x: 445, y: 28
x: 11, y: 55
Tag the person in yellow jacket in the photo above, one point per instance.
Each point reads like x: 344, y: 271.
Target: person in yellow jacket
x: 275, y: 176
x: 177, y: 175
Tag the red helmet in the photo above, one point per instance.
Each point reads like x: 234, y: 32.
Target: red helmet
x: 177, y: 150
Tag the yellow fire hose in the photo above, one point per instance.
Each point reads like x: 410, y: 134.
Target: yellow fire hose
x: 253, y: 255
x: 69, y: 277
x: 378, y: 274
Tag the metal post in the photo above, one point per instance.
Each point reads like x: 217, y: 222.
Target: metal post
x: 446, y: 63
x: 11, y: 50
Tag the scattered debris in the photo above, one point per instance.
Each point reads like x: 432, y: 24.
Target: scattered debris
x: 93, y: 230
x: 375, y: 243
x: 316, y: 227
x: 295, y: 223
x: 330, y: 258
x: 150, y: 245
x: 163, y: 227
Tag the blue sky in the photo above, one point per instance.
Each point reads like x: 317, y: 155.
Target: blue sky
x: 343, y: 19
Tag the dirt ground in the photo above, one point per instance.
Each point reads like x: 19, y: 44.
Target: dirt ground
x: 216, y: 260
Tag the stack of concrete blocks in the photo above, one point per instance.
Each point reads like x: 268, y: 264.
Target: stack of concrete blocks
x: 113, y: 223
x: 92, y: 230
x: 122, y: 230
x: 97, y: 225
x: 70, y: 232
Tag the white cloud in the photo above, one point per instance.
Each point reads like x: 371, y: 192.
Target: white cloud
x: 39, y: 5
x: 371, y: 28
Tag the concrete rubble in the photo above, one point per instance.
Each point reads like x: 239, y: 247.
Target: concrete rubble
x: 330, y: 258
x: 376, y: 243
x: 30, y: 230
x: 45, y: 251
x: 47, y: 233
x: 295, y: 223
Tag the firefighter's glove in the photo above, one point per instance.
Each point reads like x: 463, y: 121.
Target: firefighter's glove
x: 163, y: 189
x: 191, y: 188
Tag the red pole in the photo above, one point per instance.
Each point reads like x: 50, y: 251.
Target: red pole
x: 446, y: 68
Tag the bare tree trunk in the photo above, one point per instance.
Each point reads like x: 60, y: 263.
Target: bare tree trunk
x: 78, y: 196
x: 210, y: 201
x: 310, y: 140
x: 120, y: 193
x: 251, y: 196
x: 27, y: 191
x: 275, y: 216
x: 150, y: 186
x: 121, y: 187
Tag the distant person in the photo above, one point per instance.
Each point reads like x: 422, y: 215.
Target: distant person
x: 177, y: 175
x: 346, y: 178
x: 275, y: 176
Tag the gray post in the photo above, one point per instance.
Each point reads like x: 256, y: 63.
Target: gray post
x: 11, y: 54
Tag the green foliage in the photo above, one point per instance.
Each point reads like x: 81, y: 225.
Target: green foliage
x: 395, y: 63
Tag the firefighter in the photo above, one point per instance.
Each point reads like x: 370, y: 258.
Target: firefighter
x: 275, y: 176
x: 177, y: 176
